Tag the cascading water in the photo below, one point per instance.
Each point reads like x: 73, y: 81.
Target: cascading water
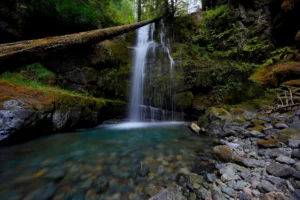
x: 144, y: 104
x: 141, y: 50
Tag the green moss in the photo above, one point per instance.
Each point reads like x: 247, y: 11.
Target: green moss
x: 258, y: 128
x: 258, y: 122
x: 238, y: 120
x: 221, y: 112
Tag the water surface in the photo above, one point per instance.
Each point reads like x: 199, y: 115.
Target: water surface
x: 114, y: 152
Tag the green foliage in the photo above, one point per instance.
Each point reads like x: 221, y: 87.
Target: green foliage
x: 280, y: 55
x: 184, y: 100
x: 89, y: 14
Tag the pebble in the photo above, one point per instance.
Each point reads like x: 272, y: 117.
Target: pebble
x: 211, y: 178
x: 228, y: 190
x: 281, y: 125
x: 45, y: 192
x: 240, y: 185
x: 243, y: 196
x: 217, y: 194
x: 266, y: 187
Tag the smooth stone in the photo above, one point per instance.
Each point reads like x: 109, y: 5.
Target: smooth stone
x: 257, y: 134
x: 268, y: 127
x: 266, y: 187
x: 101, y: 184
x: 193, y: 196
x: 296, y: 195
x: 195, y: 179
x: 274, y: 153
x: 227, y: 190
x: 45, y: 192
x: 279, y: 170
x: 297, y: 165
x: 247, y: 191
x: 160, y: 170
x: 294, y: 144
x: 256, y: 193
x: 240, y: 185
x: 243, y: 196
x: 229, y: 177
x: 264, y: 118
x: 275, y: 180
x: 246, y: 175
x: 211, y: 178
x: 286, y: 160
x: 87, y: 184
x: 281, y: 125
x: 186, y: 192
x: 253, y: 162
x: 217, y: 194
x: 202, y: 193
x: 194, y: 127
x: 223, y: 153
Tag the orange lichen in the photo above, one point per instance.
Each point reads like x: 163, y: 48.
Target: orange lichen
x: 274, y: 75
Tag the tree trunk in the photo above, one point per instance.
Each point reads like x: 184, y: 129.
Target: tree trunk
x: 33, y: 50
x: 139, y: 10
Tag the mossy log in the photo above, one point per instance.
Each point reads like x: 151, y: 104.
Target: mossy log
x: 32, y: 50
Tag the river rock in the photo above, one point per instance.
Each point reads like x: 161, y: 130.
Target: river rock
x: 181, y: 179
x: 223, y: 153
x: 271, y: 143
x: 101, y: 184
x: 217, y: 194
x: 211, y: 178
x: 280, y: 170
x: 264, y: 118
x: 194, y: 127
x: 257, y: 134
x: 45, y: 192
x: 243, y: 196
x: 294, y: 144
x: 274, y: 153
x: 281, y: 125
x: 297, y: 165
x: 295, y: 154
x: 296, y: 195
x: 286, y: 160
x: 274, y: 196
x: 144, y: 169
x: 78, y: 195
x: 168, y: 194
x: 247, y: 162
x: 240, y: 185
x: 266, y: 186
x: 227, y: 190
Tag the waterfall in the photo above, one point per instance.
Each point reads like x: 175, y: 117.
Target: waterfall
x: 142, y: 108
x: 141, y: 50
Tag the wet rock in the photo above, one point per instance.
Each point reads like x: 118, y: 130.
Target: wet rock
x: 186, y: 192
x: 211, y: 178
x: 101, y: 184
x: 223, y: 153
x: 144, y: 169
x: 196, y: 180
x: 286, y: 160
x: 217, y: 194
x: 271, y: 143
x: 296, y: 195
x: 294, y: 144
x: 87, y: 184
x: 243, y: 196
x: 266, y: 187
x: 56, y: 175
x: 193, y: 196
x: 45, y: 192
x: 160, y: 170
x: 228, y: 191
x: 78, y: 195
x: 281, y: 125
x: 280, y: 170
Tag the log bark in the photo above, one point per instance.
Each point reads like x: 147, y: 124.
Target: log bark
x: 34, y: 49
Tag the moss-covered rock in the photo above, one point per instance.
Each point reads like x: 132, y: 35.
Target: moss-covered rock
x: 28, y: 110
x: 258, y: 128
x: 271, y: 143
x: 223, y: 153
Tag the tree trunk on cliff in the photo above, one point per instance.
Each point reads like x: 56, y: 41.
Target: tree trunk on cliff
x: 33, y: 50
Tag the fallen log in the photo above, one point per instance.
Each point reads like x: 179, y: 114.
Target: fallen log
x: 34, y: 49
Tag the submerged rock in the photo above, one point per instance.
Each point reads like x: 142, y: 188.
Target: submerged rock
x: 101, y: 184
x: 144, y: 169
x: 45, y: 192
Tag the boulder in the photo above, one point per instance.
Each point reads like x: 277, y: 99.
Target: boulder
x: 294, y: 144
x: 223, y: 153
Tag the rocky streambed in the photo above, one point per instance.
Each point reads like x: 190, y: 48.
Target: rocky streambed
x: 256, y: 156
